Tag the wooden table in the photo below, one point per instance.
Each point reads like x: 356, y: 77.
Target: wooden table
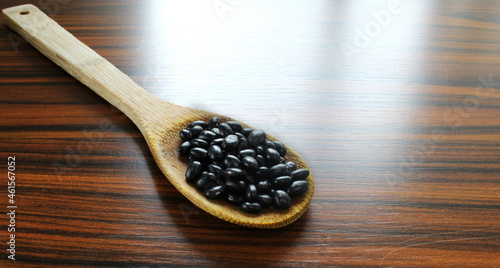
x: 394, y: 105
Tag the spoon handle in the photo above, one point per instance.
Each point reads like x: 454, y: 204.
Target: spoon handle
x: 81, y: 62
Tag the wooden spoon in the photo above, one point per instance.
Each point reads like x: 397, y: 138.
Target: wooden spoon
x: 159, y: 121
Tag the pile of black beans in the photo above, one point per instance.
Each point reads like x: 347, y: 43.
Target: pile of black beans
x: 240, y: 165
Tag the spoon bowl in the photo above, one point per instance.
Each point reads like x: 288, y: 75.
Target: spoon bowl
x: 159, y: 121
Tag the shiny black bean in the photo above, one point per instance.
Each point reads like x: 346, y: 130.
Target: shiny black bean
x: 235, y: 199
x: 281, y: 200
x: 272, y: 157
x: 256, y: 138
x: 209, y: 184
x: 261, y: 160
x: 260, y: 149
x: 246, y: 152
x: 200, y: 123
x: 264, y: 200
x: 214, y: 192
x: 251, y: 192
x: 185, y: 135
x: 217, y: 132
x: 235, y: 126
x: 277, y: 171
x: 199, y: 143
x: 215, y: 152
x: 280, y: 147
x: 247, y: 131
x: 240, y: 136
x: 262, y: 173
x: 193, y: 171
x: 235, y: 186
x: 299, y: 174
x: 213, y: 122
x: 249, y: 163
x: 195, y: 131
x: 282, y: 182
x: 232, y: 161
x: 217, y: 142
x: 291, y: 166
x: 184, y: 148
x: 297, y: 188
x: 242, y: 144
x: 251, y: 207
x: 282, y: 160
x: 225, y: 129
x: 263, y: 187
x: 215, y: 169
x: 230, y: 143
x: 270, y: 144
x: 202, y: 180
x: 198, y: 153
x: 207, y: 135
x: 233, y: 173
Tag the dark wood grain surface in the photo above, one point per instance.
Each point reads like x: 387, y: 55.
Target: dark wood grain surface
x: 395, y: 106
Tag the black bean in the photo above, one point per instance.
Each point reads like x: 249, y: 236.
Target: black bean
x: 246, y: 152
x: 297, y: 188
x: 262, y: 173
x: 184, y: 148
x: 193, y: 171
x: 249, y: 163
x: 213, y: 122
x: 185, y: 136
x: 214, y: 192
x: 282, y: 182
x: 282, y: 160
x: 225, y: 129
x: 230, y: 143
x: 232, y: 173
x: 235, y: 126
x: 200, y: 123
x: 277, y: 171
x: 280, y: 147
x: 198, y: 153
x: 202, y: 180
x: 240, y: 136
x: 299, y: 174
x: 270, y: 144
x: 281, y: 200
x: 234, y: 186
x: 195, y: 131
x: 247, y: 131
x: 291, y: 166
x: 209, y: 184
x: 215, y: 169
x: 256, y: 138
x: 263, y: 187
x: 249, y: 178
x: 207, y: 135
x: 272, y: 157
x: 260, y: 149
x: 235, y: 199
x: 217, y: 142
x: 232, y: 161
x: 251, y: 207
x: 199, y: 143
x: 264, y: 200
x: 215, y: 152
x: 261, y: 160
x: 242, y: 144
x: 251, y: 192
x: 217, y: 132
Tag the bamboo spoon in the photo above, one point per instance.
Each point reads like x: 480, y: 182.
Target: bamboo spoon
x: 159, y: 121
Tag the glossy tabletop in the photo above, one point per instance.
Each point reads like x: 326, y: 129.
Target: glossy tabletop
x: 394, y: 105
